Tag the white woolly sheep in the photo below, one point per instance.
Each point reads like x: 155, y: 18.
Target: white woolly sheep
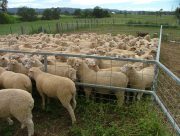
x: 109, y: 78
x: 55, y: 86
x: 9, y: 79
x: 19, y: 104
x: 139, y: 79
x: 17, y: 67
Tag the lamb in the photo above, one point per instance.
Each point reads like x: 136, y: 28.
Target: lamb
x: 9, y: 79
x: 55, y: 86
x: 17, y: 67
x: 139, y: 79
x: 19, y: 104
x: 109, y: 78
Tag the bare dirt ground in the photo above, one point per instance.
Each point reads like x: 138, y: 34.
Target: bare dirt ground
x: 170, y: 56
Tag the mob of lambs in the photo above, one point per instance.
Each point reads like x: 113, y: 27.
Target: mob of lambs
x: 62, y: 71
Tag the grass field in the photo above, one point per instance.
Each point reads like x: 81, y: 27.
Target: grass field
x: 29, y: 27
x: 93, y: 118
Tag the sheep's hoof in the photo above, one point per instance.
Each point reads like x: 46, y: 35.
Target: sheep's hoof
x: 10, y: 122
x: 22, y: 126
x: 73, y: 123
x: 48, y: 108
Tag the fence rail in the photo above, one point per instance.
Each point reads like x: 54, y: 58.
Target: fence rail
x: 156, y: 92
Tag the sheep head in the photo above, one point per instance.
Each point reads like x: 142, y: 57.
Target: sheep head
x: 74, y: 62
x: 3, y: 61
x: 33, y: 72
x: 11, y: 64
x: 127, y: 69
x: 71, y: 74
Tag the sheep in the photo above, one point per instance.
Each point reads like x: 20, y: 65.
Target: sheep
x: 139, y: 79
x: 109, y: 78
x: 3, y: 61
x: 141, y: 34
x: 55, y: 86
x: 32, y: 62
x: 9, y: 79
x: 17, y: 67
x: 63, y: 70
x: 19, y: 104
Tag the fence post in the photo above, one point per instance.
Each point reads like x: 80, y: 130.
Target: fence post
x: 67, y: 26
x: 57, y: 28
x: 32, y: 28
x: 156, y: 72
x: 45, y: 63
x: 49, y: 28
x: 77, y: 24
x: 10, y: 29
x: 22, y: 30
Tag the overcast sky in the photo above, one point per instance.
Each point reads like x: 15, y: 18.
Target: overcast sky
x: 111, y: 4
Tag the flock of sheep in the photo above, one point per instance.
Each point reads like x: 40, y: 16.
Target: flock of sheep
x: 17, y: 70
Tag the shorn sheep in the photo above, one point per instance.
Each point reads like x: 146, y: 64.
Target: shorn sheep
x: 139, y: 79
x: 87, y: 75
x: 9, y: 79
x: 57, y: 87
x: 19, y: 104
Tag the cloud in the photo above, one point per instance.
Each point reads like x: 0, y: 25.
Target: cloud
x: 102, y: 2
x: 34, y: 3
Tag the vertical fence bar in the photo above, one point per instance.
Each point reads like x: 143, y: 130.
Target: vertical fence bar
x: 45, y: 63
x: 159, y: 45
x: 49, y: 28
x: 57, y: 28
x: 156, y: 72
x: 10, y: 29
x: 22, y: 30
x: 32, y: 29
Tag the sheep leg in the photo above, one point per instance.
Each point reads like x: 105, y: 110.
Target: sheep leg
x: 43, y: 100
x: 134, y: 96
x: 127, y: 97
x: 10, y: 121
x: 74, y: 101
x: 120, y: 98
x: 87, y: 93
x: 139, y: 96
x: 30, y: 127
x: 70, y: 110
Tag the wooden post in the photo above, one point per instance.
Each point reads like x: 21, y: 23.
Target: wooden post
x: 10, y: 29
x: 57, y: 28
x: 32, y: 28
x: 22, y: 30
x: 67, y: 26
x: 49, y: 28
x: 77, y: 24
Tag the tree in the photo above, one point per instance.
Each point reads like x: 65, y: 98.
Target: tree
x: 87, y: 13
x: 49, y: 14
x: 177, y: 14
x: 3, y: 5
x: 160, y: 12
x: 100, y: 13
x: 27, y: 14
x: 78, y: 12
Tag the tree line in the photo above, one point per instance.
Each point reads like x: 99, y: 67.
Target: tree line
x: 97, y: 12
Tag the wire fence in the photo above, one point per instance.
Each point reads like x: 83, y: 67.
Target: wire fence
x: 165, y: 90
